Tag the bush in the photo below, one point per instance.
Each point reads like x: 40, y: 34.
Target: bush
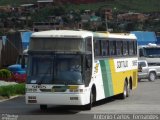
x: 5, y: 74
x: 10, y: 90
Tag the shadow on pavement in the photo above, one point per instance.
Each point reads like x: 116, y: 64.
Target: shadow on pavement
x: 61, y: 110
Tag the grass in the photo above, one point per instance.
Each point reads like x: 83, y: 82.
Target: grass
x: 11, y: 90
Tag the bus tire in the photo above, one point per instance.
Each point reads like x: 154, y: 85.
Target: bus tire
x: 43, y: 107
x: 89, y: 106
x: 125, y: 91
x: 128, y: 89
x: 152, y: 76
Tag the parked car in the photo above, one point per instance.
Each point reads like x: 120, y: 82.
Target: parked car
x: 147, y: 72
x: 18, y: 73
x: 17, y: 70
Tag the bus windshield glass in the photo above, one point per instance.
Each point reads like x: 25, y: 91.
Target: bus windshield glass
x: 57, y: 44
x: 152, y: 52
x: 55, y: 69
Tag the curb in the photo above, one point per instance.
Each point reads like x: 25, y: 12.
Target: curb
x: 12, y: 97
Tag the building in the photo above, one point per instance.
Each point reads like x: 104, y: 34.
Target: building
x: 27, y: 8
x: 145, y: 37
x: 11, y: 47
x: 131, y: 17
x: 25, y: 38
x: 41, y: 26
x: 45, y: 3
x: 79, y: 1
x: 108, y: 13
x: 5, y: 9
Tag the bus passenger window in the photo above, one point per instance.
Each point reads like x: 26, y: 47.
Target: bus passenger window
x: 119, y: 47
x: 141, y: 52
x: 135, y: 48
x: 125, y: 48
x: 112, y: 48
x: 105, y: 49
x: 131, y: 47
x: 97, y: 48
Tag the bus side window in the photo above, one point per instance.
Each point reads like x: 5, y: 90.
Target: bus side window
x: 112, y: 47
x: 131, y: 48
x: 97, y: 47
x: 135, y: 48
x: 141, y: 52
x: 125, y: 48
x: 105, y: 48
x: 119, y: 47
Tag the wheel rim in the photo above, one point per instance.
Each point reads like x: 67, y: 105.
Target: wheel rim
x: 91, y: 100
x: 152, y: 76
x: 125, y: 90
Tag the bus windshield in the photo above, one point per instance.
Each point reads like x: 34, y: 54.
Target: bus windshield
x: 152, y: 52
x: 55, y: 69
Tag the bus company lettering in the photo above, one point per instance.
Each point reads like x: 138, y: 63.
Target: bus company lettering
x: 134, y: 63
x: 39, y: 86
x: 122, y: 64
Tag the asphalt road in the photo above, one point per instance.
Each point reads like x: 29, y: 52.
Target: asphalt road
x: 143, y: 100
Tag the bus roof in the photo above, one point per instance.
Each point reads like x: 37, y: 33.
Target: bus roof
x: 114, y: 35
x: 62, y: 33
x: 150, y: 45
x: 80, y: 34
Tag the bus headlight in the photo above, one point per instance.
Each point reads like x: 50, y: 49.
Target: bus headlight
x: 76, y: 90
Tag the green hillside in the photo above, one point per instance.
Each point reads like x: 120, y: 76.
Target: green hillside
x: 16, y: 2
x: 119, y: 5
x: 123, y: 5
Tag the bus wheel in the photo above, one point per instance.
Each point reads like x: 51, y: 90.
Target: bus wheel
x: 89, y: 106
x: 126, y: 91
x: 43, y: 107
x: 152, y: 76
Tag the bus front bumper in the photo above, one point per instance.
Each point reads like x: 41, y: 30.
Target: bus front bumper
x: 57, y: 99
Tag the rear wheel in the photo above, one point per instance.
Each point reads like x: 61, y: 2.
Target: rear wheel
x: 43, y: 107
x: 152, y: 76
x: 128, y: 89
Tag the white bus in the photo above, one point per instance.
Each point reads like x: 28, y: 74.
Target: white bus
x: 150, y: 53
x: 68, y: 67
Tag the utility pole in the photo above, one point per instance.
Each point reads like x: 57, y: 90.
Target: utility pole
x: 106, y: 21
